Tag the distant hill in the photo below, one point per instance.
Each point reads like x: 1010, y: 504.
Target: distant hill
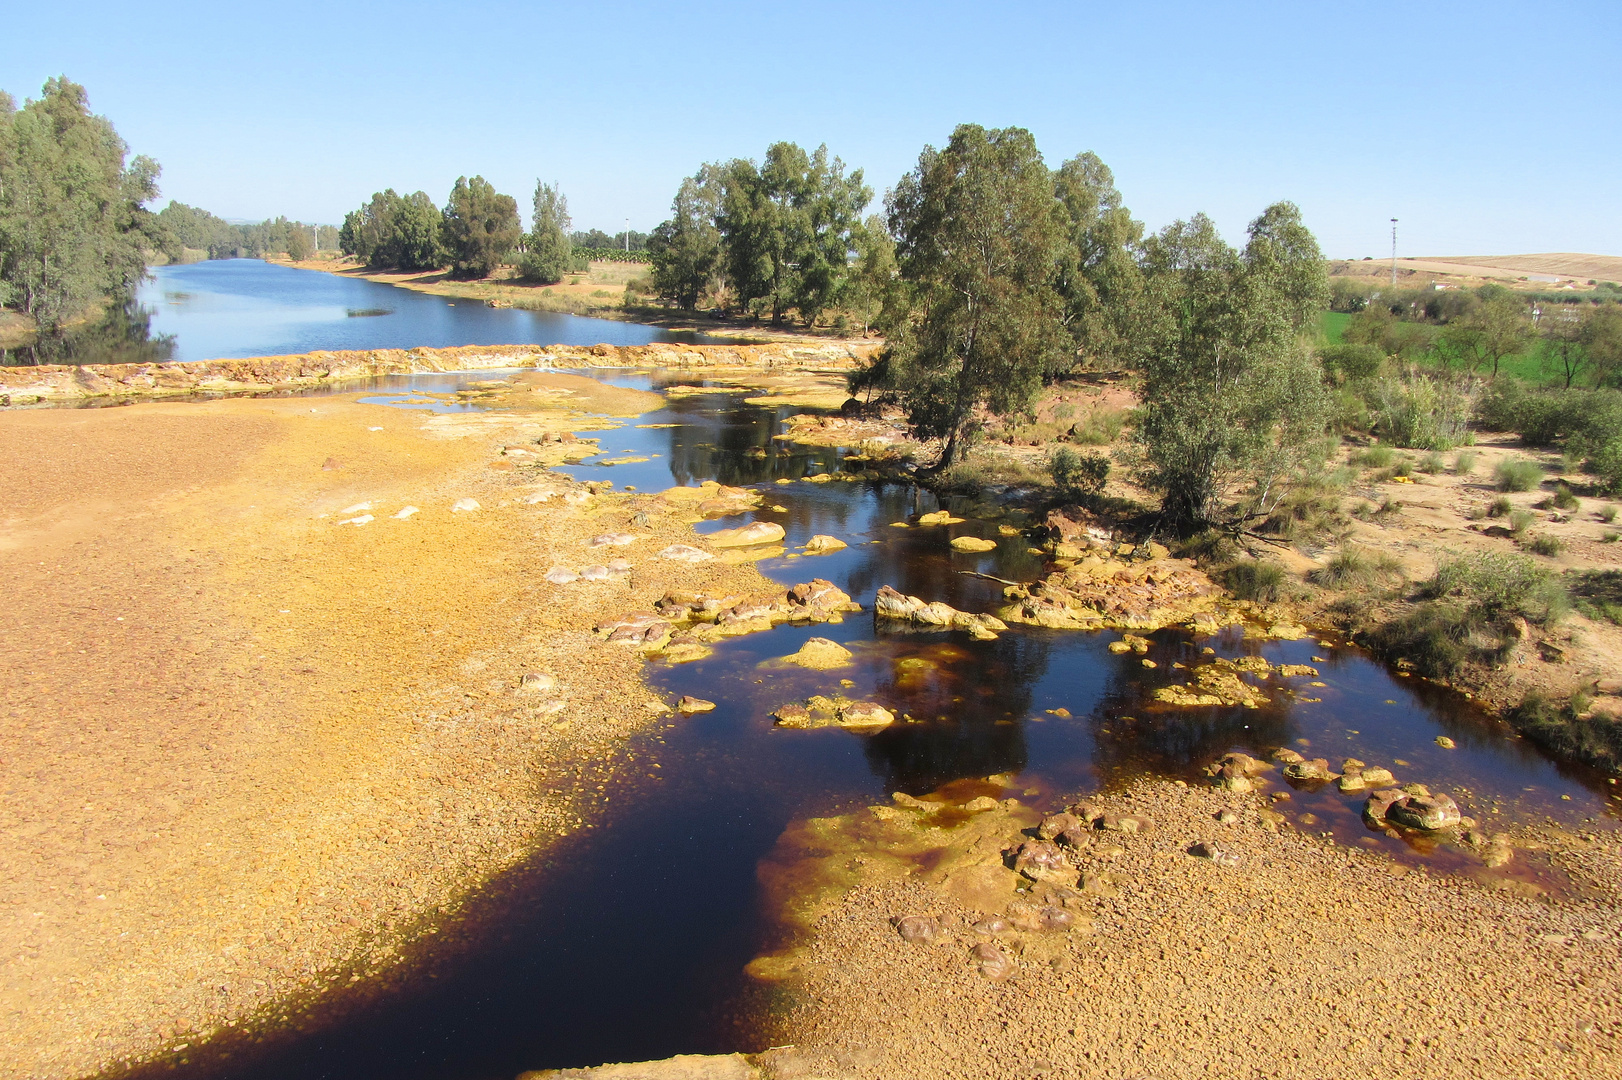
x: 1550, y: 266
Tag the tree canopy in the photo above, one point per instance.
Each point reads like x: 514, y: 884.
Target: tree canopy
x: 1234, y: 403
x: 978, y: 239
x: 73, y: 217
x: 686, y: 248
x: 481, y: 227
x: 547, y: 248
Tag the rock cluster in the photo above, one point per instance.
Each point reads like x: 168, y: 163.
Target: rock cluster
x: 1218, y: 682
x: 902, y: 611
x: 819, y: 711
x: 1414, y: 807
x: 682, y: 625
x: 1102, y: 591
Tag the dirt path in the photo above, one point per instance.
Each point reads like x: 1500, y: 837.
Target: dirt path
x: 245, y: 748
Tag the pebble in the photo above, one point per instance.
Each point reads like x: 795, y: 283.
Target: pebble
x: 464, y: 505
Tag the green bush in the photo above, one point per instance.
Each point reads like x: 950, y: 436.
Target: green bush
x: 1608, y: 514
x: 1499, y: 507
x: 1377, y: 456
x: 1610, y: 537
x: 1597, y: 593
x: 1419, y: 413
x: 1353, y: 567
x: 1500, y: 585
x: 1431, y: 463
x: 1563, y: 499
x: 1252, y: 579
x: 1520, y: 521
x: 1464, y: 462
x: 1518, y: 474
x: 1078, y: 474
x: 1596, y: 740
x: 1544, y: 544
x: 1351, y: 362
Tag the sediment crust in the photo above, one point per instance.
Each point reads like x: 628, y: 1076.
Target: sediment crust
x: 57, y: 383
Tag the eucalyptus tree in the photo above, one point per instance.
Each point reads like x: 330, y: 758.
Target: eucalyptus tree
x: 1497, y: 327
x: 480, y: 227
x: 786, y: 227
x: 977, y: 322
x: 547, y: 248
x: 1234, y: 405
x: 1098, y: 278
x: 686, y: 248
x: 73, y: 224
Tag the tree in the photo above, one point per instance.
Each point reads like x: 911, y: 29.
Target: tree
x: 369, y: 233
x: 686, y: 249
x: 872, y: 283
x: 978, y: 236
x: 1497, y: 327
x: 1565, y: 341
x: 413, y: 239
x: 547, y: 248
x: 786, y: 228
x: 1098, y: 278
x: 1602, y: 341
x: 481, y: 227
x: 73, y: 222
x: 299, y: 243
x: 1233, y: 402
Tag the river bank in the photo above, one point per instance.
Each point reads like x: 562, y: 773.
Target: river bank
x: 261, y: 730
x: 52, y: 384
x: 599, y: 293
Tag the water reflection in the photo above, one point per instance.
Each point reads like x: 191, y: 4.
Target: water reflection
x: 122, y: 334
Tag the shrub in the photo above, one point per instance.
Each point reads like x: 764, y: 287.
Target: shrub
x: 1079, y: 474
x: 1544, y: 544
x: 1518, y: 474
x: 1420, y: 413
x: 1520, y: 521
x: 1464, y: 462
x: 1431, y: 462
x: 1255, y: 580
x: 1351, y: 362
x: 1377, y: 456
x: 1610, y: 537
x: 1353, y: 567
x: 1309, y: 509
x: 1499, y: 507
x: 1596, y: 740
x: 1608, y: 514
x: 1563, y: 499
x: 1499, y: 585
x: 1467, y: 612
x: 1597, y: 593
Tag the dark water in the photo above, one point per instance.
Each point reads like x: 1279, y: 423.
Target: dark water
x: 232, y: 308
x: 628, y: 943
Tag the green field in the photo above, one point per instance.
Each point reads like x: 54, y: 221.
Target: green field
x: 1334, y: 326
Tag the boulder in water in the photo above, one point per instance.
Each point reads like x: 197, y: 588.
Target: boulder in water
x: 757, y: 532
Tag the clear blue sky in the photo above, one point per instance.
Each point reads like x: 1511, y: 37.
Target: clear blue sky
x: 1487, y: 127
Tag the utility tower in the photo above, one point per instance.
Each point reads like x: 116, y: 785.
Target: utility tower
x: 1393, y: 253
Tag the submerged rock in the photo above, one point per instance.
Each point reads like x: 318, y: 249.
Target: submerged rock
x: 912, y: 611
x: 1313, y: 770
x: 1217, y: 683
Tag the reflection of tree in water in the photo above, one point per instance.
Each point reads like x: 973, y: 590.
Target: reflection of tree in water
x: 1174, y: 741
x: 990, y: 682
x: 121, y: 335
x: 717, y: 435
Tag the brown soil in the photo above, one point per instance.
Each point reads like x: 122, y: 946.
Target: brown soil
x: 1305, y: 960
x: 247, y: 750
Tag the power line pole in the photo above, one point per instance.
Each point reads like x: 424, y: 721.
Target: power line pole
x: 1393, y: 253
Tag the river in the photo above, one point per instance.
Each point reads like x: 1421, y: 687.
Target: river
x: 232, y: 308
x: 628, y: 942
